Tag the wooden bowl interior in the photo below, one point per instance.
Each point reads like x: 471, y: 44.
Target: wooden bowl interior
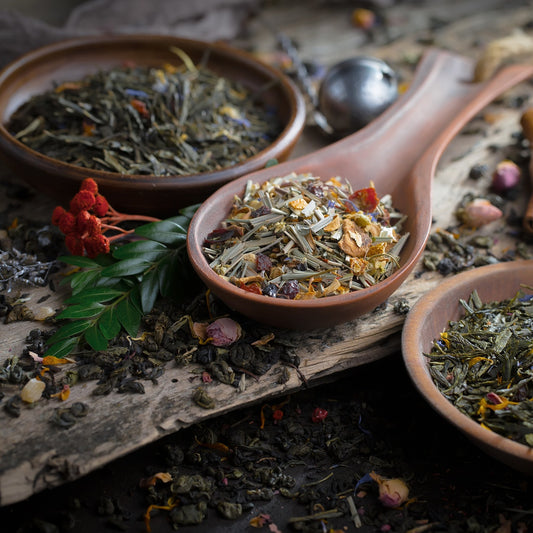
x: 430, y: 316
x: 40, y: 70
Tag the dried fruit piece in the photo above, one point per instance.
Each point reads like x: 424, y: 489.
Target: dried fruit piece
x: 32, y: 391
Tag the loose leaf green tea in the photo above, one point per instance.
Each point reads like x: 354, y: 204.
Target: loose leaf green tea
x: 139, y: 120
x: 299, y: 237
x: 483, y: 364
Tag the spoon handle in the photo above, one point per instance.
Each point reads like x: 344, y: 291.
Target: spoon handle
x: 526, y: 121
x: 475, y: 97
x: 440, y: 101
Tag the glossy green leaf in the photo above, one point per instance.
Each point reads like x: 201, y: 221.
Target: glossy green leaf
x: 129, y: 316
x: 96, y: 295
x: 78, y: 260
x: 95, y: 338
x: 82, y: 280
x: 189, y: 211
x: 166, y: 232
x: 133, y: 250
x: 126, y: 267
x: 165, y: 269
x: 62, y: 348
x: 135, y: 298
x: 81, y: 311
x: 109, y: 323
x: 149, y: 290
x: 177, y: 277
x: 69, y: 330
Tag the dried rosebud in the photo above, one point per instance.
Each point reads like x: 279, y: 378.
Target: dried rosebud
x: 90, y: 185
x: 101, y: 206
x: 478, y: 213
x: 392, y: 492
x: 82, y: 200
x: 224, y: 331
x: 57, y: 215
x: 319, y: 414
x: 505, y: 177
x: 67, y: 223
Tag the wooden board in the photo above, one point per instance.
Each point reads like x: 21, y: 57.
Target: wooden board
x: 36, y: 455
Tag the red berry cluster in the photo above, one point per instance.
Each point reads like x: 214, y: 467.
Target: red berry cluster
x: 82, y: 224
x: 88, y: 218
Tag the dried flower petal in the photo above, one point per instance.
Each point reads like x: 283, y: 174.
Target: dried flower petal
x: 392, y: 492
x: 224, y: 331
x: 319, y: 414
x: 277, y: 414
x: 366, y: 199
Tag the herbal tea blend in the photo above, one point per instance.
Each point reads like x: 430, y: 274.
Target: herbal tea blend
x: 140, y: 120
x: 299, y: 237
x: 483, y: 365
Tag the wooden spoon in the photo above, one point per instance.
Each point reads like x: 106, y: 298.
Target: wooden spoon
x: 399, y: 152
x: 526, y: 121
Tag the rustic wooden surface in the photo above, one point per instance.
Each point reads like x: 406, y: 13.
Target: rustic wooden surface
x: 35, y: 455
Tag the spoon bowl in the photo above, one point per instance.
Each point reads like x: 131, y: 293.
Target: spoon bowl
x: 398, y: 152
x: 430, y: 316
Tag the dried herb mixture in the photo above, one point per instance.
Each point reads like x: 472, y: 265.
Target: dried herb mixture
x: 139, y: 120
x: 483, y: 364
x: 299, y: 237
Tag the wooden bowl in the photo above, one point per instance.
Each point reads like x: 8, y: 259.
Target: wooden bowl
x: 430, y: 316
x: 70, y: 60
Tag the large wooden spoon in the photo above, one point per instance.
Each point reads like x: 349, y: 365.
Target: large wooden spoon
x: 399, y: 152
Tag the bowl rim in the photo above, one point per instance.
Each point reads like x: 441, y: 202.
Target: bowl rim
x: 282, y: 142
x: 417, y: 368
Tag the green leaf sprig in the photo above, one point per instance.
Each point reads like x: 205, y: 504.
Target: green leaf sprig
x: 113, y: 291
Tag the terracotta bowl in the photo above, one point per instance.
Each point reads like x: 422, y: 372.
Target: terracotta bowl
x: 398, y: 152
x: 430, y: 316
x: 70, y: 60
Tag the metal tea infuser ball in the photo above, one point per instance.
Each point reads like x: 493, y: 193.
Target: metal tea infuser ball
x: 354, y: 92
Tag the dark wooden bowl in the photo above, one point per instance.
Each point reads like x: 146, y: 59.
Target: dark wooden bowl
x: 70, y: 60
x: 430, y: 316
x: 398, y: 152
